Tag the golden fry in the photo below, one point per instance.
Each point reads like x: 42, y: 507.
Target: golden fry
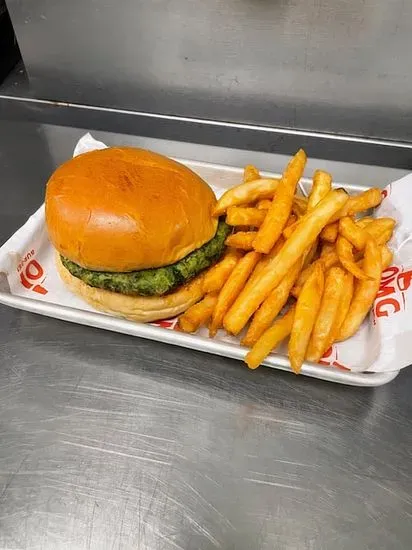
x: 330, y: 232
x: 303, y: 237
x: 329, y: 260
x: 238, y: 215
x: 352, y: 232
x: 263, y: 262
x: 303, y: 277
x: 346, y: 258
x: 242, y: 240
x: 278, y: 214
x: 216, y: 277
x: 250, y: 173
x: 386, y: 256
x: 322, y: 184
x: 289, y: 229
x: 357, y: 233
x: 299, y: 206
x: 326, y: 261
x: 198, y: 314
x: 380, y: 227
x: 306, y: 312
x: 270, y: 339
x: 231, y: 289
x: 363, y: 222
x: 359, y: 203
x: 371, y: 198
x: 343, y: 308
x: 264, y: 204
x: 246, y: 193
x: 327, y: 248
x: 271, y: 307
x: 291, y: 221
x: 310, y: 254
x: 328, y: 311
x: 365, y: 291
x: 384, y: 237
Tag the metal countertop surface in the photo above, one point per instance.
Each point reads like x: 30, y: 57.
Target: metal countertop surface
x: 112, y: 442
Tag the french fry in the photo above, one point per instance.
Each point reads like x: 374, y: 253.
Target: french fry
x: 198, y: 315
x: 353, y: 233
x: 278, y: 214
x: 306, y: 312
x: 387, y: 257
x: 245, y: 193
x: 326, y: 249
x: 289, y: 229
x: 329, y: 260
x: 359, y: 203
x: 238, y: 215
x: 310, y: 254
x: 384, y: 237
x: 365, y: 291
x: 299, y: 206
x: 330, y: 232
x: 379, y: 228
x: 357, y: 233
x: 303, y: 277
x: 303, y: 237
x: 242, y: 240
x: 263, y: 262
x: 371, y: 198
x: 216, y: 277
x: 328, y: 311
x: 363, y: 222
x: 231, y: 289
x: 322, y: 184
x: 326, y: 261
x: 250, y: 173
x: 343, y: 307
x: 271, y: 307
x: 345, y: 253
x: 263, y: 204
x: 291, y: 221
x: 270, y: 339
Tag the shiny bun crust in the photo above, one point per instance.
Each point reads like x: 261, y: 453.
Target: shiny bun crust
x: 134, y: 308
x: 125, y: 209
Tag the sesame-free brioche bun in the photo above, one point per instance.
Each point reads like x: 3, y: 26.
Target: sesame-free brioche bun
x: 135, y: 308
x: 124, y: 209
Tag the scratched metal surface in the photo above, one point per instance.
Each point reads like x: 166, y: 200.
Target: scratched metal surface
x: 330, y: 65
x: 111, y: 442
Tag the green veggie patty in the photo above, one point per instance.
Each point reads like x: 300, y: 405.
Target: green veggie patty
x: 156, y: 281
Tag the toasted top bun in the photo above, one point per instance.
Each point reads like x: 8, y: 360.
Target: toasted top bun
x: 125, y: 209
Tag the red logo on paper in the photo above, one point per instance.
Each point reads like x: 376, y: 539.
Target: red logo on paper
x: 391, y: 297
x: 167, y: 323
x: 386, y: 192
x: 31, y: 274
x: 331, y: 359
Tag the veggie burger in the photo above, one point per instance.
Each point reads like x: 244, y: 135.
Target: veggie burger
x: 133, y: 231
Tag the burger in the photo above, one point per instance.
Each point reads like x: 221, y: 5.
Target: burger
x: 133, y: 232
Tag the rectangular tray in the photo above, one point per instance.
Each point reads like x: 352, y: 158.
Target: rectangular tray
x: 195, y: 342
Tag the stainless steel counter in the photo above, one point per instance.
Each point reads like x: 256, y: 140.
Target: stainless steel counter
x: 325, y: 65
x: 111, y: 442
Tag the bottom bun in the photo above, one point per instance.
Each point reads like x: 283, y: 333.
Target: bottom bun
x: 135, y: 308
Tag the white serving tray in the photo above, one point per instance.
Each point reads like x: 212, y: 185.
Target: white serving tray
x: 221, y: 177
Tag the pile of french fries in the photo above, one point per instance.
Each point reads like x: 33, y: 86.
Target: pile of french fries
x: 303, y: 268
